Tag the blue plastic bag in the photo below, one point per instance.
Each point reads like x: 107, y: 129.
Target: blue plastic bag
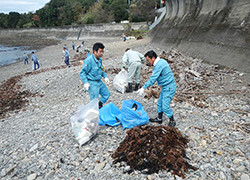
x: 132, y: 117
x: 109, y: 115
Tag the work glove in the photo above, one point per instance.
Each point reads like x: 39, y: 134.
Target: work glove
x: 123, y: 70
x: 106, y: 80
x: 86, y: 86
x: 140, y: 91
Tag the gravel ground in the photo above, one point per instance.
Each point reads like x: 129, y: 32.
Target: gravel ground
x: 38, y: 143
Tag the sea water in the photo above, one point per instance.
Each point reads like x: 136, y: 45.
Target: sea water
x: 9, y: 55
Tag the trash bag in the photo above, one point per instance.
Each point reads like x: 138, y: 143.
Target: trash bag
x: 85, y: 121
x: 120, y: 81
x: 109, y: 115
x: 132, y: 114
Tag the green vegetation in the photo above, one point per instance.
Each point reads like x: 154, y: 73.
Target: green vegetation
x: 77, y: 12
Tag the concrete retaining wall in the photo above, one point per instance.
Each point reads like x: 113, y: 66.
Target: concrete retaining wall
x: 73, y: 32
x: 216, y: 30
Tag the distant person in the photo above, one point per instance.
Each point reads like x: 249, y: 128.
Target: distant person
x: 73, y: 45
x: 91, y: 74
x: 34, y: 58
x: 134, y: 60
x: 124, y: 37
x: 26, y: 59
x: 82, y: 44
x: 66, y: 56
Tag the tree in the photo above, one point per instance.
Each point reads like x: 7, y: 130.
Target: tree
x: 119, y: 9
x: 142, y: 10
x: 13, y: 19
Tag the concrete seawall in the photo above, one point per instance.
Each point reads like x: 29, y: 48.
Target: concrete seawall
x: 217, y: 31
x: 73, y: 32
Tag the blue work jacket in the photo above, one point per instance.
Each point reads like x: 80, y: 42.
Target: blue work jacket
x: 92, y: 69
x: 162, y: 73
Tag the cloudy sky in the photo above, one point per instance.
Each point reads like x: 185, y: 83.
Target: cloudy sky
x: 21, y: 6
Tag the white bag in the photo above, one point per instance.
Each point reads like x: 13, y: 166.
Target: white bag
x: 85, y: 121
x: 121, y: 81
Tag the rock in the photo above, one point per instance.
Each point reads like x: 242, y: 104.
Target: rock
x: 99, y: 166
x: 240, y: 168
x: 244, y: 177
x: 215, y: 114
x: 237, y: 161
x: 33, y: 148
x: 203, y: 142
x: 32, y: 176
x: 150, y: 177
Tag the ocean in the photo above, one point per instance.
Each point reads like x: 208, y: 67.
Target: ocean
x: 9, y: 55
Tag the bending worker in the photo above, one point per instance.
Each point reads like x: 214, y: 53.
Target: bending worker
x: 134, y: 60
x: 91, y: 74
x: 164, y: 75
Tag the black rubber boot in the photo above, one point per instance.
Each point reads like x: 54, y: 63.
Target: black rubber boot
x: 157, y: 119
x: 172, y: 122
x: 129, y: 88
x: 136, y: 87
x: 100, y: 104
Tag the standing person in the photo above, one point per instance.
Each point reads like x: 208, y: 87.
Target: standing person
x: 91, y: 74
x: 164, y: 75
x: 26, y: 59
x: 35, y: 60
x: 73, y: 45
x: 66, y: 56
x: 134, y: 60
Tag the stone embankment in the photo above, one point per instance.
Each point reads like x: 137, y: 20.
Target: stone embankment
x: 73, y: 32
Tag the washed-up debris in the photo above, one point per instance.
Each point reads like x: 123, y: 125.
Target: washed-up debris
x: 192, y: 78
x: 153, y: 148
x: 80, y: 56
x: 11, y: 96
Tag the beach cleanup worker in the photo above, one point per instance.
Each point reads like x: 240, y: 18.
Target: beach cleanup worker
x: 66, y: 56
x: 26, y: 59
x: 134, y: 60
x: 91, y: 74
x: 73, y: 45
x: 35, y: 60
x: 164, y: 75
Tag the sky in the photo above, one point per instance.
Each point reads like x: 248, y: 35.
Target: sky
x: 21, y: 6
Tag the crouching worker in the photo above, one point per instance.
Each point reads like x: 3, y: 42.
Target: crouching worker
x: 164, y: 75
x: 134, y: 60
x: 91, y: 74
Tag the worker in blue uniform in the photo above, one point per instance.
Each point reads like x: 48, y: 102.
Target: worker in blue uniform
x: 91, y: 74
x: 66, y: 55
x: 34, y: 58
x: 163, y: 74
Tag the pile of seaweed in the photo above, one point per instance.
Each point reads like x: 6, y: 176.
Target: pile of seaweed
x: 153, y: 148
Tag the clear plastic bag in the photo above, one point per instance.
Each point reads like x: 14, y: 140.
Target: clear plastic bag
x: 120, y: 81
x: 85, y: 121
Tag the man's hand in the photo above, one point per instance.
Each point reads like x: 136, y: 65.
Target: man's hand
x: 106, y: 80
x: 140, y: 91
x: 86, y: 86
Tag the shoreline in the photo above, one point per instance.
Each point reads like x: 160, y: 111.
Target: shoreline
x: 38, y: 141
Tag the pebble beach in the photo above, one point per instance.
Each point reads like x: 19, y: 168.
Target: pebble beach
x: 37, y: 141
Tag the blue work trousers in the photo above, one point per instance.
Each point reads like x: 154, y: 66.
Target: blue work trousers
x: 166, y: 96
x: 36, y: 65
x: 66, y: 60
x: 98, y: 88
